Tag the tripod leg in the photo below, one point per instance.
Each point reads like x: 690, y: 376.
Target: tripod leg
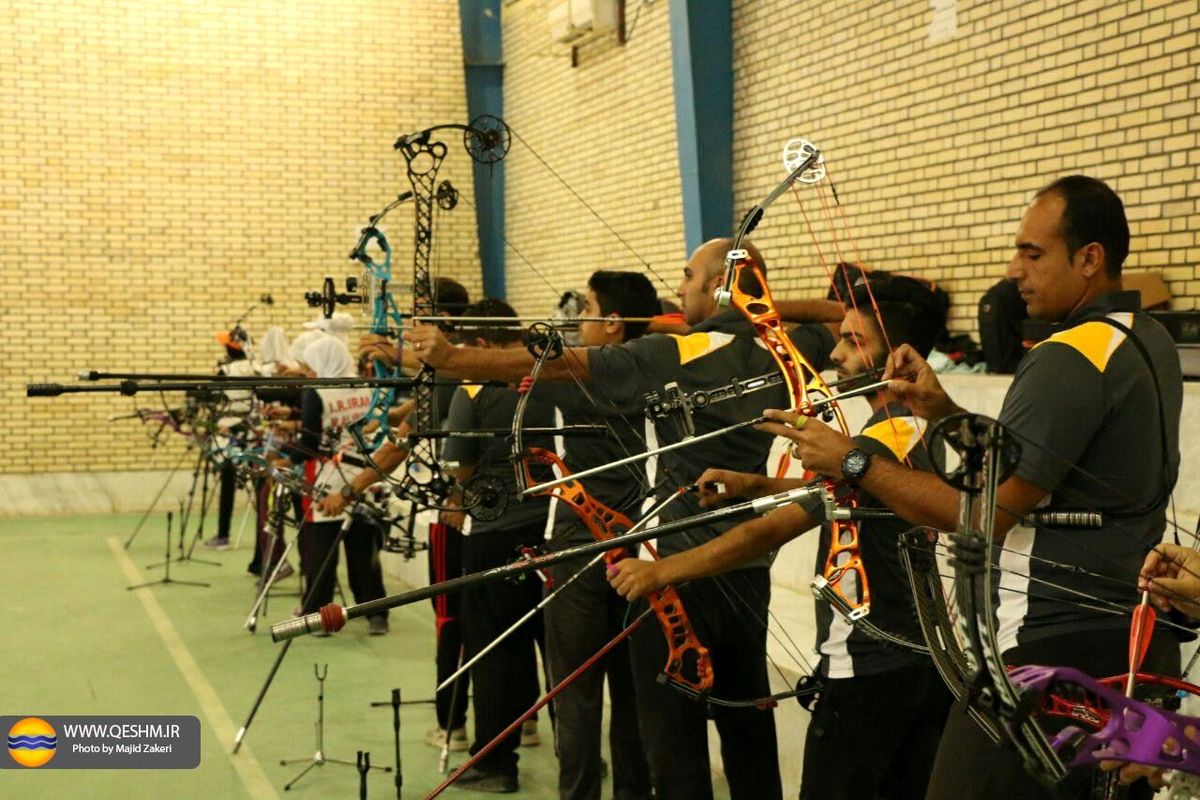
x: 154, y: 502
x: 261, y: 600
x: 283, y: 651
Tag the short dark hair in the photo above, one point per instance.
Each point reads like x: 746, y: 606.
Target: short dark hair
x: 1092, y: 212
x: 499, y: 333
x: 450, y: 297
x: 627, y: 294
x: 911, y: 313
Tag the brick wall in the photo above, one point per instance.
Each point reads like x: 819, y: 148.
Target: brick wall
x: 935, y: 146
x: 165, y: 163
x: 607, y: 126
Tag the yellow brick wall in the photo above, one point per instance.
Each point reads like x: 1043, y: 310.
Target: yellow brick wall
x: 933, y: 146
x: 607, y: 126
x: 165, y: 163
x: 936, y: 147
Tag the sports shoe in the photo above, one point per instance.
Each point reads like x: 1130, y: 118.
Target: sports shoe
x: 436, y: 737
x: 478, y: 780
x: 377, y: 626
x: 218, y: 543
x: 529, y: 734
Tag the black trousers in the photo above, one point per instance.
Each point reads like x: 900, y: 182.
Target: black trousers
x: 875, y: 736
x: 228, y: 490
x: 970, y: 766
x: 506, y: 679
x: 580, y: 620
x: 445, y: 562
x: 361, y: 543
x: 729, y: 615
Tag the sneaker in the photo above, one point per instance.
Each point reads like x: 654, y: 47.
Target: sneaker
x: 377, y: 626
x: 529, y: 734
x: 436, y: 737
x: 218, y: 543
x: 478, y: 780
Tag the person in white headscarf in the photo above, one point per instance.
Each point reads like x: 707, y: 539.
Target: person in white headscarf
x: 297, y: 348
x: 338, y: 326
x: 273, y: 352
x: 324, y: 414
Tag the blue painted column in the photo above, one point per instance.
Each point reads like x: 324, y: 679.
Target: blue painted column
x: 483, y: 68
x: 702, y: 59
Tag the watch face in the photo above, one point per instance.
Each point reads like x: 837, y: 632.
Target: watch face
x: 856, y: 464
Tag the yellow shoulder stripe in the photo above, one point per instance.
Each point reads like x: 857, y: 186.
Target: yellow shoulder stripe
x: 695, y: 345
x: 1095, y: 341
x: 898, y: 434
x: 472, y: 389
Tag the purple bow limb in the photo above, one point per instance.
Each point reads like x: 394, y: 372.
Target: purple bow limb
x: 1136, y: 732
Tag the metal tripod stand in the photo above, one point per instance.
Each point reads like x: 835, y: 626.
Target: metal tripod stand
x: 319, y: 759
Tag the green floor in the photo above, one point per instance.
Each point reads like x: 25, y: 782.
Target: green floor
x: 82, y: 644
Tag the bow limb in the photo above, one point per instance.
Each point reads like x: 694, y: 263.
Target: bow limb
x: 746, y: 290
x: 688, y: 662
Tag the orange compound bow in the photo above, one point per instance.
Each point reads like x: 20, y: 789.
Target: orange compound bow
x: 688, y: 663
x: 745, y: 288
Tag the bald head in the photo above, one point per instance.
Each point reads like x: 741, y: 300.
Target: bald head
x: 703, y: 274
x: 710, y: 256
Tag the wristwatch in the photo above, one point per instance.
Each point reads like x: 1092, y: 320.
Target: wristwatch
x: 855, y: 465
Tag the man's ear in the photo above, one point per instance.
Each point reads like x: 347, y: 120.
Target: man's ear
x: 1091, y: 259
x: 614, y: 324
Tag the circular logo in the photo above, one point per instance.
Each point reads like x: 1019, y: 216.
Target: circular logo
x: 32, y: 742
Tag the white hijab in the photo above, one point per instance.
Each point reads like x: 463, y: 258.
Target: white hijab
x: 329, y: 358
x: 273, y: 349
x: 301, y: 342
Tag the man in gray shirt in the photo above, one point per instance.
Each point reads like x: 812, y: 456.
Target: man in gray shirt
x: 1096, y: 409
x: 729, y: 617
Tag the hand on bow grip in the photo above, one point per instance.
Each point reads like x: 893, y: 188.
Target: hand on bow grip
x: 914, y: 381
x: 378, y: 348
x: 429, y: 344
x: 634, y: 579
x: 819, y: 447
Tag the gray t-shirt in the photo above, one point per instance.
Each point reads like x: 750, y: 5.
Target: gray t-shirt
x: 1085, y: 407
x: 474, y: 407
x: 622, y: 489
x: 716, y: 352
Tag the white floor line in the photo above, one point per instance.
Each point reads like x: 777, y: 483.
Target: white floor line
x: 245, y: 764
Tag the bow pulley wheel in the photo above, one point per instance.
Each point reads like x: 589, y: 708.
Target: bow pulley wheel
x: 485, y: 497
x: 447, y: 196
x: 543, y: 338
x: 487, y: 139
x: 971, y: 437
x: 794, y: 153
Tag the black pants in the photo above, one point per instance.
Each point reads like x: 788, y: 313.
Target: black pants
x: 875, y: 736
x: 226, y: 494
x: 445, y: 562
x: 506, y: 679
x: 361, y: 542
x: 733, y: 627
x: 970, y: 766
x: 580, y: 620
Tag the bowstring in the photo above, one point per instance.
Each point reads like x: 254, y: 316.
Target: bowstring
x: 732, y: 595
x: 590, y: 209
